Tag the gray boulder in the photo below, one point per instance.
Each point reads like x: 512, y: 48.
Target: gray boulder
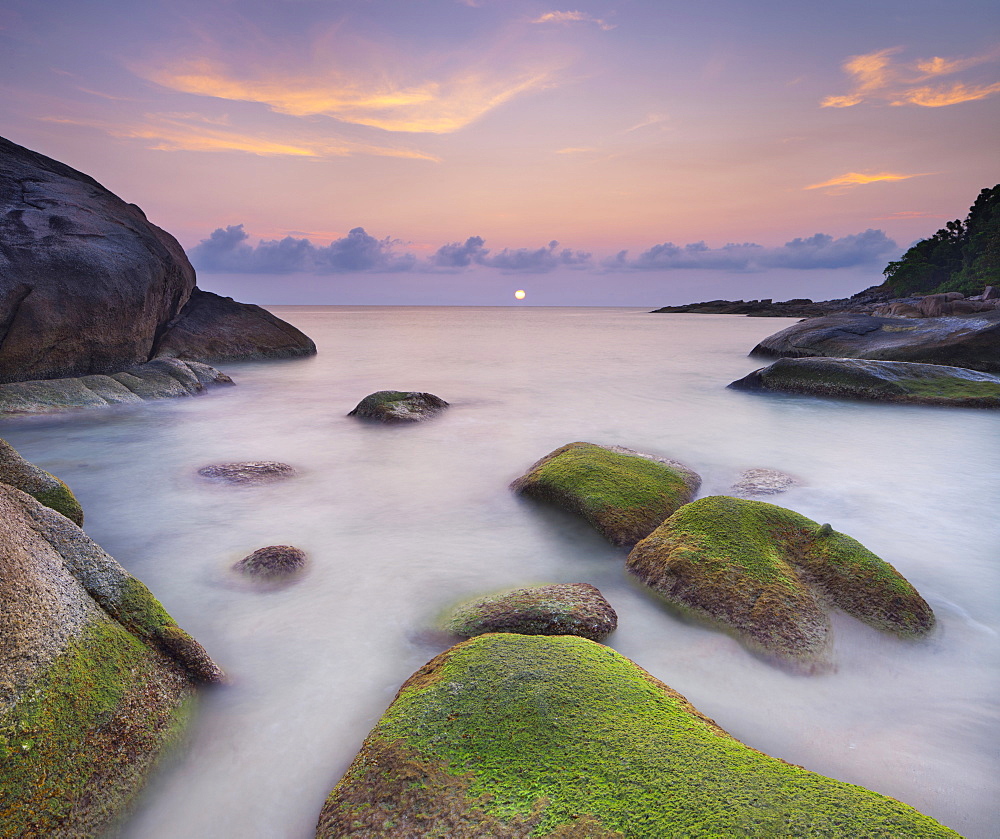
x: 564, y: 609
x: 158, y: 379
x: 884, y: 381
x: 397, y: 406
x: 94, y: 676
x: 273, y: 562
x: 761, y: 481
x: 89, y: 286
x: 971, y: 341
x: 248, y: 472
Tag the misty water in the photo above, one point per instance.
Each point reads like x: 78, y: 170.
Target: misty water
x: 401, y: 522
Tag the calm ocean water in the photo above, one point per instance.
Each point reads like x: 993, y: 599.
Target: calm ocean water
x: 400, y: 523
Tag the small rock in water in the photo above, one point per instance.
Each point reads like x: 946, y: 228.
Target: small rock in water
x: 399, y: 406
x: 272, y: 562
x: 762, y: 482
x: 251, y: 472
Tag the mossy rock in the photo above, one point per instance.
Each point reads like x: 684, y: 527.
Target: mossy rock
x: 398, y: 406
x: 17, y: 472
x: 274, y: 562
x: 514, y: 735
x: 766, y: 572
x: 883, y: 381
x: 564, y: 609
x: 624, y: 494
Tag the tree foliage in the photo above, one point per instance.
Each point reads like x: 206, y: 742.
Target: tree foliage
x: 963, y: 256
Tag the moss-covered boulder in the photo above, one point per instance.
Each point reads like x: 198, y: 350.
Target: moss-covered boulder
x: 563, y: 609
x: 396, y: 406
x: 95, y: 677
x: 47, y: 488
x: 885, y: 381
x: 766, y: 573
x: 515, y: 735
x: 623, y: 493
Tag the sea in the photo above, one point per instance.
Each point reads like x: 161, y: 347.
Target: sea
x: 401, y: 523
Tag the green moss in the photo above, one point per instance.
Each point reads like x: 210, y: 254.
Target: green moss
x: 954, y: 389
x: 623, y: 496
x: 76, y: 746
x: 758, y: 568
x: 555, y: 729
x: 61, y: 499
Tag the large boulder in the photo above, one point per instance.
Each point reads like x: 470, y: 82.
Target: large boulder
x: 624, y: 494
x: 161, y: 378
x: 95, y: 677
x: 88, y: 285
x: 515, y: 735
x: 767, y: 573
x: 971, y: 341
x: 560, y: 609
x: 884, y: 381
x: 213, y: 328
x: 43, y: 486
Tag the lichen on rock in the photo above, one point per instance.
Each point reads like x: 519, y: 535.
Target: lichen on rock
x: 624, y: 494
x: 510, y: 735
x: 39, y: 484
x: 398, y: 406
x: 767, y: 573
x: 561, y: 609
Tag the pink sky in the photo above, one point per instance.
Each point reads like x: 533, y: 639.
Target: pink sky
x: 606, y: 127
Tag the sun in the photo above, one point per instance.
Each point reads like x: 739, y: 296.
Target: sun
x: 519, y: 294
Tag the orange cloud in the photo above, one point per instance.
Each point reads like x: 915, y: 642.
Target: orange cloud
x: 439, y: 107
x: 572, y: 17
x: 164, y: 133
x: 858, y: 178
x: 877, y: 76
x: 577, y: 150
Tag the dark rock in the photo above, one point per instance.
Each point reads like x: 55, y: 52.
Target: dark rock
x: 766, y: 573
x: 94, y: 676
x: 884, y: 381
x: 158, y: 379
x: 508, y: 736
x: 566, y: 609
x: 762, y: 482
x: 89, y: 286
x: 395, y: 406
x: 272, y: 562
x: 935, y: 306
x: 971, y: 341
x: 214, y: 328
x: 624, y: 494
x: 43, y: 486
x: 250, y: 472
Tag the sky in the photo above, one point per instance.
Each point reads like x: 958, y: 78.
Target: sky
x: 627, y: 152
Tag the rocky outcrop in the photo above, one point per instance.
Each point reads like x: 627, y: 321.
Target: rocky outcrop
x: 884, y: 381
x: 43, y: 486
x: 213, y: 328
x: 513, y: 735
x: 800, y: 307
x: 624, y: 494
x: 275, y: 562
x: 564, y: 609
x: 947, y: 304
x: 160, y: 379
x: 94, y: 676
x: 89, y: 286
x: 397, y: 406
x: 971, y: 341
x: 249, y: 472
x: 766, y: 572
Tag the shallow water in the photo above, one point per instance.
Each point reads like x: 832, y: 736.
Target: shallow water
x: 399, y: 523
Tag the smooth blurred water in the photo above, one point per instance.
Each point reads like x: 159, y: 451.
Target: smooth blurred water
x: 400, y: 522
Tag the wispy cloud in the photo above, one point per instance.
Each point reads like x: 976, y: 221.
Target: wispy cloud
x: 903, y: 215
x: 434, y: 105
x: 878, y: 76
x: 577, y: 150
x: 180, y: 133
x: 573, y: 17
x: 852, y: 179
x: 651, y: 119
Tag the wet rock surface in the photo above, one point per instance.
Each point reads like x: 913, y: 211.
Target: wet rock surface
x: 761, y: 481
x: 624, y: 494
x: 883, y: 381
x: 248, y: 472
x: 275, y: 562
x: 561, y: 609
x: 397, y: 406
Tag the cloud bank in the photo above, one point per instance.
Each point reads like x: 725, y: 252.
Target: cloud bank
x: 227, y: 250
